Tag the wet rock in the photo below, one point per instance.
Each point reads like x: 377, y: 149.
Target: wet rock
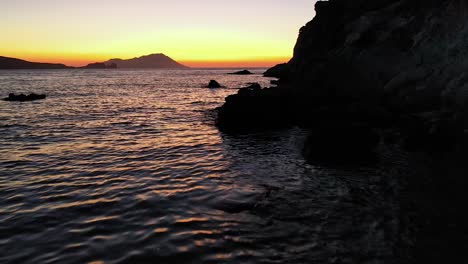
x: 253, y: 108
x: 24, y: 98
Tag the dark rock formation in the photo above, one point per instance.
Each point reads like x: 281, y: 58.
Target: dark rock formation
x: 24, y: 98
x: 373, y: 62
x: 154, y: 61
x: 17, y: 64
x: 390, y: 71
x: 214, y: 84
x: 244, y: 72
x: 254, y: 108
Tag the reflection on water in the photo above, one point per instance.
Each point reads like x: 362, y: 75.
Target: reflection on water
x: 127, y: 167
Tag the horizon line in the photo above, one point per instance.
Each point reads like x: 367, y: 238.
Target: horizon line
x: 196, y: 64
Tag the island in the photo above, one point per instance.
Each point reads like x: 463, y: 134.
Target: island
x: 7, y: 63
x: 153, y: 61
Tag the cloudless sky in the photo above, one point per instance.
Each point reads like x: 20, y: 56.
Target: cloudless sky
x: 196, y: 32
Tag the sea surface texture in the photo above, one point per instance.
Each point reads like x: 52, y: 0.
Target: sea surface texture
x: 126, y: 166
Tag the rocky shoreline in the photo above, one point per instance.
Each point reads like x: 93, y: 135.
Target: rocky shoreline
x: 373, y: 72
x: 386, y: 65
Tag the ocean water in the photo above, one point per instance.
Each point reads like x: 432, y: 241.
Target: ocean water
x: 126, y: 166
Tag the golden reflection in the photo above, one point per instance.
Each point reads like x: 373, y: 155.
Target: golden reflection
x: 183, y: 249
x: 87, y: 202
x: 161, y: 230
x: 223, y: 256
x: 204, y: 242
x: 191, y: 220
x: 99, y: 219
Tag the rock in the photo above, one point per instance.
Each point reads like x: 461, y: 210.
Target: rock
x: 214, y: 84
x: 253, y: 108
x: 244, y: 72
x: 433, y: 131
x: 24, y: 98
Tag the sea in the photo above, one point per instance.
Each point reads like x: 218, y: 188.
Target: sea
x: 127, y: 166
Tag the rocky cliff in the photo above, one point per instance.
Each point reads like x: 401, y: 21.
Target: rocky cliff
x: 369, y: 75
x: 377, y: 63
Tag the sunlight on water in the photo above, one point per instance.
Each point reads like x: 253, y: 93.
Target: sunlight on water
x: 127, y: 167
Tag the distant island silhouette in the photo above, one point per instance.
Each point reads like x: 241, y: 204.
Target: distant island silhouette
x: 155, y: 61
x: 152, y: 61
x: 7, y: 63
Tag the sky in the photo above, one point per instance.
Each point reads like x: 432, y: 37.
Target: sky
x: 198, y: 33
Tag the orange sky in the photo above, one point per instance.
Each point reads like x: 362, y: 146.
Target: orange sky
x: 203, y: 33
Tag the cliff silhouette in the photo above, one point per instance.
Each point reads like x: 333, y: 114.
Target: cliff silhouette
x: 7, y: 63
x: 368, y: 75
x: 379, y: 63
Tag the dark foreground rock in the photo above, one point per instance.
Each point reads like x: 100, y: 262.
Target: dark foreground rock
x: 24, y: 98
x: 252, y: 107
x: 391, y: 73
x: 379, y: 63
x: 214, y: 84
x: 243, y: 72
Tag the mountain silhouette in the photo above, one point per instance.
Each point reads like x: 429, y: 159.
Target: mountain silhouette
x: 157, y: 61
x: 7, y: 63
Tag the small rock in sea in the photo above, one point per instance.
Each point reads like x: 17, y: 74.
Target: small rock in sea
x: 214, y: 84
x: 244, y: 72
x: 24, y: 98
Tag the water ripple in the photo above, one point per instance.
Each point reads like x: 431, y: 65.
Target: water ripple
x: 127, y: 167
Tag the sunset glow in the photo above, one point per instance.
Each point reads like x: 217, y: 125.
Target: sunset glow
x: 205, y: 33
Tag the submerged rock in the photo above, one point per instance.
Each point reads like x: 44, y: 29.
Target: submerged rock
x: 24, y: 98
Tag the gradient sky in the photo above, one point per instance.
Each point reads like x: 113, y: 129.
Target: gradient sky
x: 199, y: 33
